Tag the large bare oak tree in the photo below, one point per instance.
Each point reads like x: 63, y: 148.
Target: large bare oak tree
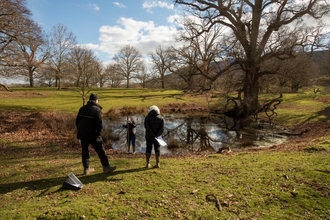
x: 258, y: 31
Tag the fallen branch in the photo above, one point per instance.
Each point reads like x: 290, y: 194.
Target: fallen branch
x: 4, y: 86
x: 214, y: 198
x: 293, y: 134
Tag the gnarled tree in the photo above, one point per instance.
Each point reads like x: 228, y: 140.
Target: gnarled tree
x: 258, y: 31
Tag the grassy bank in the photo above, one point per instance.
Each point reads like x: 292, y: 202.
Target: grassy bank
x: 276, y: 183
x: 248, y: 185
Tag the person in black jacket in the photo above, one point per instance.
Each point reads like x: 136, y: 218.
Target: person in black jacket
x: 131, y: 134
x: 89, y: 125
x: 154, y: 125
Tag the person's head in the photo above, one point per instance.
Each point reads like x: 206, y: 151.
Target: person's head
x: 154, y: 108
x: 93, y: 97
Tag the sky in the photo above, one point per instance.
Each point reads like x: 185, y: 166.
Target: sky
x: 106, y: 26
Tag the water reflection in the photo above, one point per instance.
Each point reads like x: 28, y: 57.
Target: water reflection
x: 195, y: 135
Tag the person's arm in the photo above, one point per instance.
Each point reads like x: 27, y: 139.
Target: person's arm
x: 124, y: 125
x: 161, y: 128
x: 98, y: 122
x: 77, y: 119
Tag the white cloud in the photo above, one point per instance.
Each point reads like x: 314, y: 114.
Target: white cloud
x: 93, y: 7
x: 143, y: 35
x: 120, y: 5
x: 174, y: 18
x: 150, y: 4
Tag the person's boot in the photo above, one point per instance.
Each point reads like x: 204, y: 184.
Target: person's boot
x: 128, y: 148
x: 108, y: 169
x: 148, y: 155
x: 157, y: 160
x: 133, y: 149
x: 87, y: 169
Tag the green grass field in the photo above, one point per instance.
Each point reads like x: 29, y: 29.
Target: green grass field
x: 267, y: 184
x: 70, y: 100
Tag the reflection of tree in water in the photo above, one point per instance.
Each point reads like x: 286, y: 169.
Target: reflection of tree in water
x: 192, y: 135
x: 196, y: 134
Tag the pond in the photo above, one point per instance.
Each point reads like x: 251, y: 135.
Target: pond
x: 197, y: 134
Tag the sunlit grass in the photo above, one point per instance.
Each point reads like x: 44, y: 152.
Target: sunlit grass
x: 248, y: 186
x: 302, y: 108
x: 295, y: 108
x: 70, y: 100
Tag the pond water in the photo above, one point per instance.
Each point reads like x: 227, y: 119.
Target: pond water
x: 184, y: 134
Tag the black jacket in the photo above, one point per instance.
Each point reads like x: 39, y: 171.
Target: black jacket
x: 131, y: 128
x: 89, y: 121
x: 154, y: 125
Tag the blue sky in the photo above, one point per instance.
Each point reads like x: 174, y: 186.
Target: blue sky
x: 106, y: 26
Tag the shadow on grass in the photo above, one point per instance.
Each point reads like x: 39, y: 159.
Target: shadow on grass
x: 324, y: 171
x: 325, y: 112
x: 47, y: 184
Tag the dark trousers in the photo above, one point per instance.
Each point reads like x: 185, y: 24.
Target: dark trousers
x: 131, y: 139
x: 98, y: 147
x: 153, y: 143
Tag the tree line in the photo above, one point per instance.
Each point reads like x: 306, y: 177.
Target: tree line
x: 240, y: 46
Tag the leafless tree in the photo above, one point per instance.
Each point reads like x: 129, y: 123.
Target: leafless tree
x: 113, y: 76
x: 15, y: 20
x: 160, y: 59
x: 83, y: 65
x: 143, y: 75
x: 128, y: 63
x: 14, y: 17
x: 61, y: 42
x: 258, y: 31
x: 31, y: 51
x: 100, y: 76
x: 292, y: 74
x: 324, y: 44
x: 207, y: 46
x: 298, y: 72
x: 46, y: 76
x: 182, y: 63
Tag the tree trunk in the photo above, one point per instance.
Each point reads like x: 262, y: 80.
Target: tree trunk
x: 59, y: 84
x: 31, y: 79
x: 294, y: 87
x: 127, y: 83
x: 250, y: 91
x: 162, y: 80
